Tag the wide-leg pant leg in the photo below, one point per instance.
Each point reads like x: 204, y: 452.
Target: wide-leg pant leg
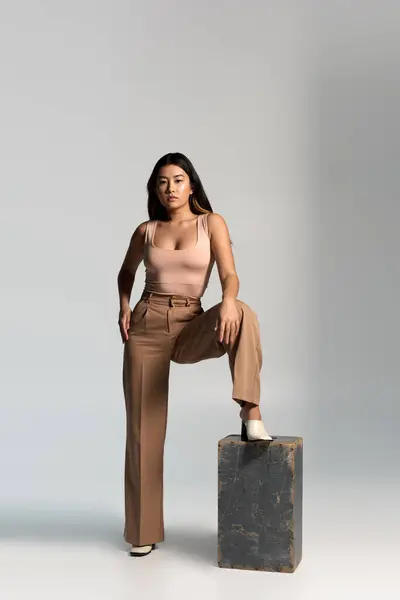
x: 146, y: 367
x: 198, y: 341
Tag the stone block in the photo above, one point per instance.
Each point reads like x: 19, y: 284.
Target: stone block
x: 260, y: 503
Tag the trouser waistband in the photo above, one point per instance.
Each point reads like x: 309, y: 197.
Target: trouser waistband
x: 169, y: 299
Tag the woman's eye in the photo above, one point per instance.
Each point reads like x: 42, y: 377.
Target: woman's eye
x: 177, y: 181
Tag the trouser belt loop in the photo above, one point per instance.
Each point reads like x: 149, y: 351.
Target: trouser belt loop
x: 170, y: 304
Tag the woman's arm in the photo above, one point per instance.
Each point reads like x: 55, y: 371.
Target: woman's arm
x: 133, y: 258
x: 221, y: 247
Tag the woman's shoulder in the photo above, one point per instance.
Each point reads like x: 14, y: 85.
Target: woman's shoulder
x: 140, y: 231
x: 215, y: 222
x: 213, y: 216
x: 141, y: 228
x: 145, y: 224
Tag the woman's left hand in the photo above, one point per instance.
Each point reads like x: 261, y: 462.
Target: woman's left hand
x: 228, y: 323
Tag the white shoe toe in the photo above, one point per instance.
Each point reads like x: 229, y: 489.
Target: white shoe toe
x: 256, y: 430
x: 141, y: 550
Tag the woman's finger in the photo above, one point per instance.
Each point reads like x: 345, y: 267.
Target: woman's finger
x: 227, y: 332
x: 126, y: 328
x: 234, y: 331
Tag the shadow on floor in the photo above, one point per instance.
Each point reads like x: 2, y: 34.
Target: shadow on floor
x: 101, y: 529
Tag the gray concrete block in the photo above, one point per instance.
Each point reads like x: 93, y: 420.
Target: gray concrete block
x: 260, y: 503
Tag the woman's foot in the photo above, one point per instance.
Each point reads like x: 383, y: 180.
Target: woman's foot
x: 141, y: 550
x: 252, y: 426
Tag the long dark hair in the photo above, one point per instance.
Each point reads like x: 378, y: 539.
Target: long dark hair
x: 198, y: 200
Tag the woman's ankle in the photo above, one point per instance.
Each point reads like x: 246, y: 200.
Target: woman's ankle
x: 250, y: 411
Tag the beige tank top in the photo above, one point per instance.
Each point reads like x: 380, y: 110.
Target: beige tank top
x: 185, y: 272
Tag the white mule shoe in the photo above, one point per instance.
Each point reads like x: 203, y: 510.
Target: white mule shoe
x: 141, y: 550
x: 253, y: 430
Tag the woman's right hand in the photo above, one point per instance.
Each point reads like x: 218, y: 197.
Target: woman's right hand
x: 124, y: 320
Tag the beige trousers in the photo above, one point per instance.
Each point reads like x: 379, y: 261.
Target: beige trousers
x: 177, y: 328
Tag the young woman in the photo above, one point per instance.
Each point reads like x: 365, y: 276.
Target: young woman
x: 179, y: 245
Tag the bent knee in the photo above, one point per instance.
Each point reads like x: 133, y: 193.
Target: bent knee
x: 245, y: 308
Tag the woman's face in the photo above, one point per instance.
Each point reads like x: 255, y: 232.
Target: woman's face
x: 173, y: 181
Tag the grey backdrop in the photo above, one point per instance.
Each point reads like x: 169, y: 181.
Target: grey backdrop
x: 289, y: 112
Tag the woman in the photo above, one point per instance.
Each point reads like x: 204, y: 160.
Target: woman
x: 179, y: 245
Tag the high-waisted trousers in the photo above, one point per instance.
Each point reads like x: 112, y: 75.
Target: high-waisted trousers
x: 164, y: 328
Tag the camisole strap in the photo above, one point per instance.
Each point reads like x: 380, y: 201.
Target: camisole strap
x: 149, y: 229
x: 204, y: 218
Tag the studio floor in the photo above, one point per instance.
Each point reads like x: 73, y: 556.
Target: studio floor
x: 349, y: 551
